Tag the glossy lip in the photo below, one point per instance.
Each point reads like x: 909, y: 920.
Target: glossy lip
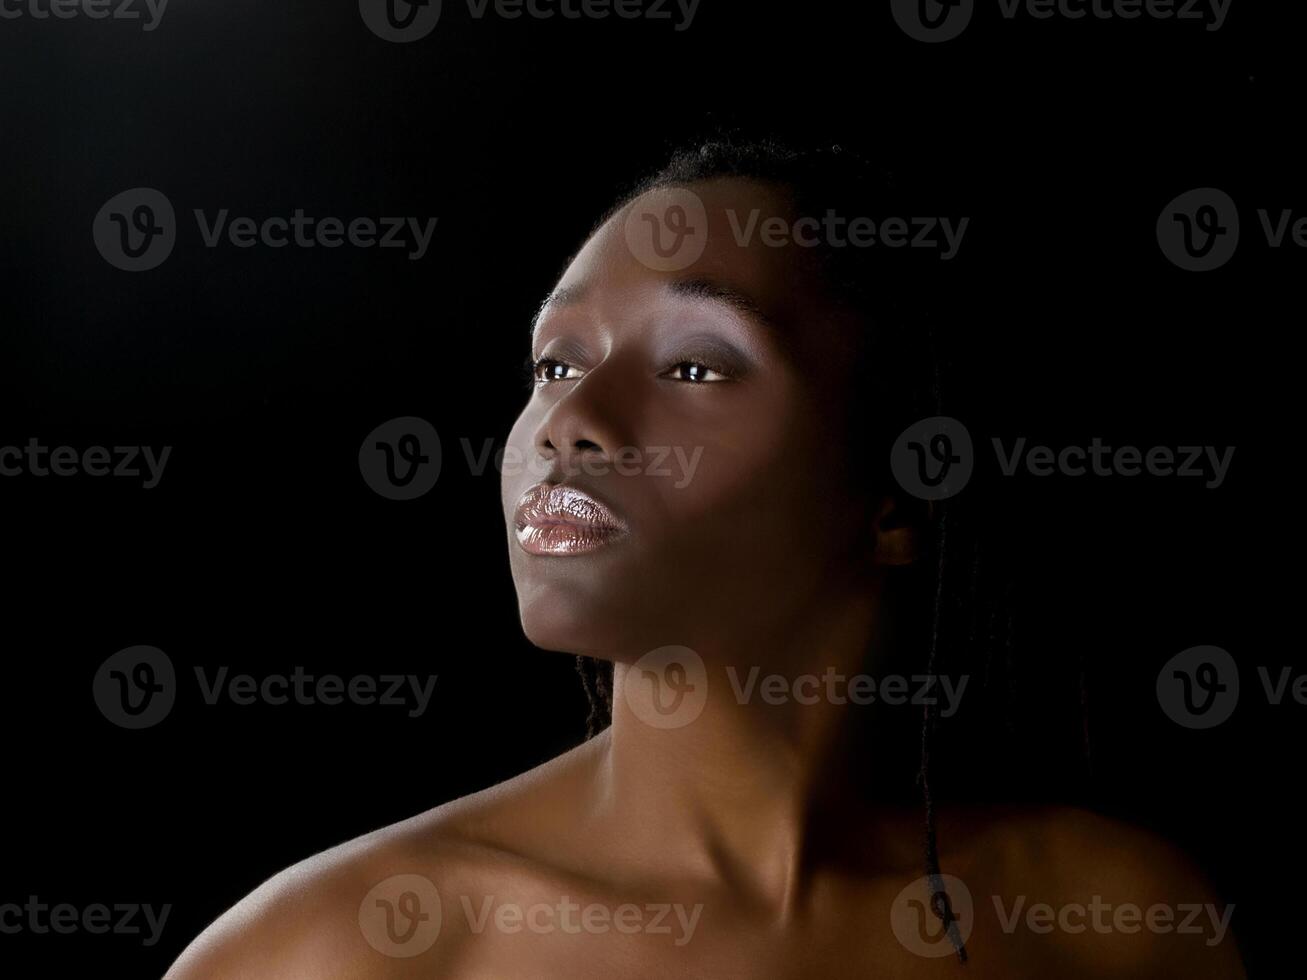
x: 555, y: 519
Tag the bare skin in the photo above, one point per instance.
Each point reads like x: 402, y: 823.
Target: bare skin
x: 739, y: 844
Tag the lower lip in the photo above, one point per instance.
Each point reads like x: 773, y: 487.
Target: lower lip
x: 564, y: 538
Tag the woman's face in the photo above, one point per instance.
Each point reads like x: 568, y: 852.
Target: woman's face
x: 701, y: 408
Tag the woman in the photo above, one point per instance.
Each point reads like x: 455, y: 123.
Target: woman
x: 708, y: 520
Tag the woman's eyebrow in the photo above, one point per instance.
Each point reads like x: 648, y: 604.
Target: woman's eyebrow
x: 708, y: 289
x: 720, y: 292
x: 562, y: 296
x: 742, y: 303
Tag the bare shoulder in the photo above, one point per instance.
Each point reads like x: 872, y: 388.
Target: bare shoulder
x: 378, y: 906
x: 1111, y: 896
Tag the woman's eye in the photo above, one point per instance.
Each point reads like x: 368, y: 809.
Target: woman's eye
x: 547, y: 369
x: 696, y: 372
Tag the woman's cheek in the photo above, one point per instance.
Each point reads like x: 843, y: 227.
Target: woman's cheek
x: 721, y: 478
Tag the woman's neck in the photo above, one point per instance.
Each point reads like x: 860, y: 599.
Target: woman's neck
x: 728, y: 766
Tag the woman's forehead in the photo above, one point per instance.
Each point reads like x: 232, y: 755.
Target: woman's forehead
x: 698, y: 239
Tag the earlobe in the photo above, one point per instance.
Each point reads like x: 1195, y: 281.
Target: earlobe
x: 899, y: 546
x: 901, y: 533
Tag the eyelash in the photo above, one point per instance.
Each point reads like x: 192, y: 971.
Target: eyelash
x: 533, y: 366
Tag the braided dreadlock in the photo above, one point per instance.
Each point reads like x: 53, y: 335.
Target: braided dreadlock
x: 970, y: 612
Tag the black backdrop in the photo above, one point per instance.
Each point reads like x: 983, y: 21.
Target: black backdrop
x: 262, y: 548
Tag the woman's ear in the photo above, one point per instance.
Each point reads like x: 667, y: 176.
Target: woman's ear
x: 901, y: 530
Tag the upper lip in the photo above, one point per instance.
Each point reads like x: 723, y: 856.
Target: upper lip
x: 559, y: 503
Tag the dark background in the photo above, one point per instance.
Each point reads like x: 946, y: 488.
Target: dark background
x: 262, y: 548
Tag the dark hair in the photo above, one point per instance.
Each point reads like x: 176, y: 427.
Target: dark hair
x: 966, y: 593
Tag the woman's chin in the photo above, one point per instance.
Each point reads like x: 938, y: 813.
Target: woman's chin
x: 561, y: 626
x: 555, y: 624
